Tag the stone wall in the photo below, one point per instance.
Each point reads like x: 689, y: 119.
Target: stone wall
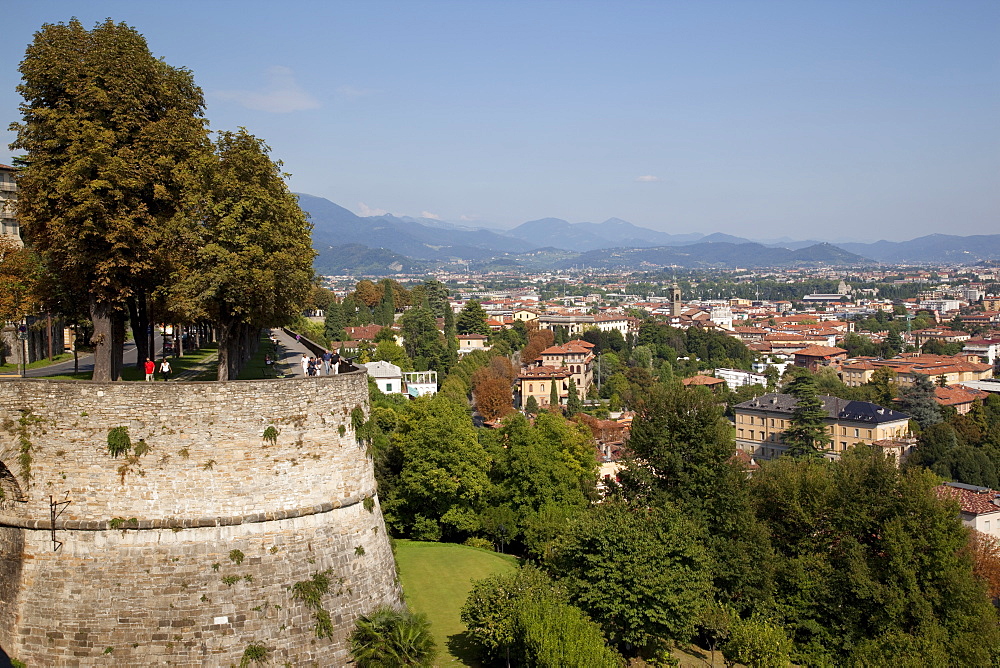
x: 141, y: 571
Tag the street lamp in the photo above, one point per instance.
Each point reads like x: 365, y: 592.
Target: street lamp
x: 22, y: 335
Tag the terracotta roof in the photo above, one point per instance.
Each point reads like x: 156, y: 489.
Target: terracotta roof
x: 701, y: 380
x: 957, y: 395
x: 820, y: 351
x: 544, y: 372
x: 972, y: 499
x: 364, y: 332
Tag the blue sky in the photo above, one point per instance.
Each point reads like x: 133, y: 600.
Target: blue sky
x: 806, y: 119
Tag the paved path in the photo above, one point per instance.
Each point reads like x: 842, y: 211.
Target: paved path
x: 290, y: 353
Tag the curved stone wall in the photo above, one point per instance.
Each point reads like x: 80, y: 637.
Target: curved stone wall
x: 186, y: 550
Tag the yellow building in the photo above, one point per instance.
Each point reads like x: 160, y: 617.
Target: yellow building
x: 761, y: 422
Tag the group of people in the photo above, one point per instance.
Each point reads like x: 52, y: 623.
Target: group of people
x: 321, y: 366
x: 151, y: 369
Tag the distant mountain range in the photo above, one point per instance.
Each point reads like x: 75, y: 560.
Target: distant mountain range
x: 348, y: 243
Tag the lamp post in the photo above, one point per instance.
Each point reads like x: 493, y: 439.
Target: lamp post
x: 22, y: 335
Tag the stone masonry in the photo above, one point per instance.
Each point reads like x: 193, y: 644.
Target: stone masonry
x: 186, y: 553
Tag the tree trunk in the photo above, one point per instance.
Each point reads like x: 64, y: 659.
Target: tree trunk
x: 138, y: 332
x: 150, y: 330
x: 223, y: 330
x: 108, y: 339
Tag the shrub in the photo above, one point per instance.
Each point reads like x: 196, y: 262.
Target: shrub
x: 119, y: 442
x: 391, y: 637
x: 479, y: 542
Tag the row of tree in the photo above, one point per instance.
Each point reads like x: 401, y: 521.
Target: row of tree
x: 135, y: 214
x: 851, y: 562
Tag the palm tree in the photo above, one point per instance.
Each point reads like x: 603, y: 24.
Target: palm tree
x: 388, y: 637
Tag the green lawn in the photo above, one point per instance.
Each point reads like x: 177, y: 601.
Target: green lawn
x: 255, y: 369
x: 16, y: 368
x: 436, y: 579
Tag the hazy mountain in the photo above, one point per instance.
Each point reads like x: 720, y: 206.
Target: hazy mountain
x: 945, y: 248
x: 334, y: 225
x: 592, y: 236
x: 614, y: 240
x: 359, y: 259
x: 713, y: 254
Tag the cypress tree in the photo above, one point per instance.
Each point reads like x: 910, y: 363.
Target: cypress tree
x: 554, y: 396
x: 573, y: 405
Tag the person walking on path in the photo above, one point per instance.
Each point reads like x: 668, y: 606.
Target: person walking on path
x: 305, y: 364
x: 327, y: 356
x: 150, y: 368
x: 165, y: 369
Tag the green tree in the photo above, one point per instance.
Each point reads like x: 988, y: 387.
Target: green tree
x: 335, y: 324
x: 917, y: 400
x: 385, y: 310
x: 391, y: 637
x: 531, y: 405
x: 443, y: 482
x: 392, y: 352
x: 422, y: 341
x: 573, y: 404
x: 472, y: 319
x: 758, y: 643
x: 251, y: 247
x: 806, y: 437
x: 525, y: 619
x: 111, y: 135
x: 641, y: 573
x: 554, y: 395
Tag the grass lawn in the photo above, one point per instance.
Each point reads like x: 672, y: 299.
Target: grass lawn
x: 436, y: 579
x: 16, y: 368
x: 255, y: 369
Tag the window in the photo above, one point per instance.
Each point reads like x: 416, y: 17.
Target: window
x: 857, y: 433
x: 986, y: 525
x: 843, y: 445
x: 388, y: 387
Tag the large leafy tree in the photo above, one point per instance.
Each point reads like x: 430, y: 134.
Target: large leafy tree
x: 641, y: 573
x: 443, y: 482
x: 868, y: 554
x: 111, y: 134
x: 250, y: 243
x: 18, y: 281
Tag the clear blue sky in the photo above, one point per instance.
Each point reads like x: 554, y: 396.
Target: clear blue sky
x: 809, y: 119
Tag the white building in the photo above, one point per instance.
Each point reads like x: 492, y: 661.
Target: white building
x: 979, y: 506
x: 420, y: 383
x: 387, y: 376
x: 738, y: 378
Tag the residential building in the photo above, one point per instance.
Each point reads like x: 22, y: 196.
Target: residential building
x: 817, y: 357
x: 420, y: 383
x: 761, y: 423
x: 738, y: 378
x: 941, y: 334
x: 387, y: 376
x: 703, y: 381
x: 987, y: 350
x: 575, y: 356
x: 537, y: 382
x: 469, y: 342
x: 9, y: 228
x: 959, y: 397
x: 979, y: 507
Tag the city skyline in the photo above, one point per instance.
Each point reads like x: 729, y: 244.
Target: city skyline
x: 829, y: 121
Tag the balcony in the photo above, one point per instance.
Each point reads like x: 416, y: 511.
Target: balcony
x: 8, y: 187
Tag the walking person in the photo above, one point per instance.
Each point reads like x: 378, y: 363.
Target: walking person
x: 305, y: 364
x: 165, y: 369
x: 327, y: 356
x: 150, y: 369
